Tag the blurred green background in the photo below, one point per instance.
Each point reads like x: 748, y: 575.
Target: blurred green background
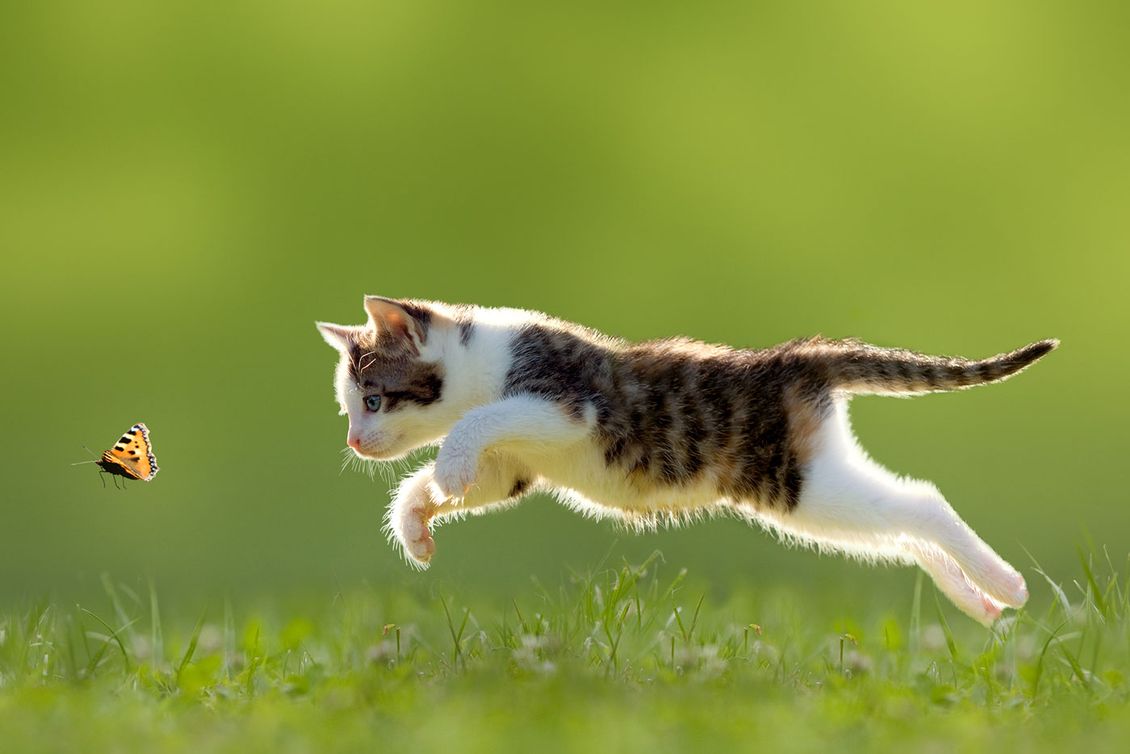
x: 185, y: 187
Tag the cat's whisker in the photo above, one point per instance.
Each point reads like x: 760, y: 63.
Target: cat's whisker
x: 347, y: 453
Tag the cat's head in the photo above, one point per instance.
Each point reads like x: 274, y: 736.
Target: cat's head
x: 390, y: 379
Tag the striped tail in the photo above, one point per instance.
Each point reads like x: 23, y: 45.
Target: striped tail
x: 865, y: 369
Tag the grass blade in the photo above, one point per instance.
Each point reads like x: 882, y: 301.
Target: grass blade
x: 191, y: 650
x: 113, y: 635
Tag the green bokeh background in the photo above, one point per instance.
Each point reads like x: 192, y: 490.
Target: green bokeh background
x: 185, y: 187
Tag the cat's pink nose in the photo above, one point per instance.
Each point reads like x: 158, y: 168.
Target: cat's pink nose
x: 354, y: 441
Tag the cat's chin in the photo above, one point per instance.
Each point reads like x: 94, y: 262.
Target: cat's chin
x: 382, y: 453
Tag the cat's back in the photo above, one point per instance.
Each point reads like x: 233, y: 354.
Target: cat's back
x: 561, y: 360
x: 674, y: 412
x: 663, y: 392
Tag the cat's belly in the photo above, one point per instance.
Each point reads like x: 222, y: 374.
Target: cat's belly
x: 581, y: 477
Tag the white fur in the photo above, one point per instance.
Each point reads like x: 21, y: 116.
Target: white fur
x: 849, y: 504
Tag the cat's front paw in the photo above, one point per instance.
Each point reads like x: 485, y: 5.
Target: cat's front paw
x: 421, y: 548
x: 408, y: 520
x: 409, y: 525
x: 455, y: 472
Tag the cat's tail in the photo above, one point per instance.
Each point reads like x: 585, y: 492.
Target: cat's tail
x: 863, y: 369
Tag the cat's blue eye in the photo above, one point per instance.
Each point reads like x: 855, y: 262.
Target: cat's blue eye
x: 373, y: 403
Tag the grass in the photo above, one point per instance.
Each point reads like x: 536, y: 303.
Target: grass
x: 627, y: 657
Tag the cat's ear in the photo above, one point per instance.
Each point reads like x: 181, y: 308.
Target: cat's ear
x: 339, y: 337
x: 402, y: 319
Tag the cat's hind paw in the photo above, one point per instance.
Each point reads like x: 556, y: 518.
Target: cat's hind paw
x: 955, y: 584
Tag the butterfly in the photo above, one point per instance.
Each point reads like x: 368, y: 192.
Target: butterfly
x: 132, y: 456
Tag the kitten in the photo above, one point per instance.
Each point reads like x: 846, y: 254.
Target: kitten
x: 662, y: 431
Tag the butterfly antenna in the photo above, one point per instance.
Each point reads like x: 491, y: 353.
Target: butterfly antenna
x: 91, y: 452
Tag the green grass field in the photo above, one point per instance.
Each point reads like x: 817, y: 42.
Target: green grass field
x: 622, y: 657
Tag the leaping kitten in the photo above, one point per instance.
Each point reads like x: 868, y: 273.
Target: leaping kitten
x: 656, y: 432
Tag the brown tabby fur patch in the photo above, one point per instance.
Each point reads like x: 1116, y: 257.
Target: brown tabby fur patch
x: 673, y: 412
x: 388, y: 363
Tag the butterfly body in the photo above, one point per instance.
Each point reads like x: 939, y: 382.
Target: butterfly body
x: 132, y: 455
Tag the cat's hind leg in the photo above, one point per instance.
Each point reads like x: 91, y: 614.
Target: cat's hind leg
x: 850, y: 503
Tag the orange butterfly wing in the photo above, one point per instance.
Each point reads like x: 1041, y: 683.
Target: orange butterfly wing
x: 134, y: 453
